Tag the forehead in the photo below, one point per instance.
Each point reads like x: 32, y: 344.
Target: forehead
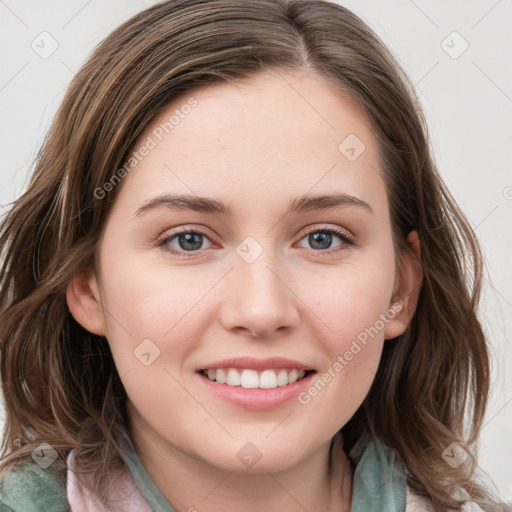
x: 274, y: 135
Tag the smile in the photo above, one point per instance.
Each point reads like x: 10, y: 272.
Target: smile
x: 251, y: 379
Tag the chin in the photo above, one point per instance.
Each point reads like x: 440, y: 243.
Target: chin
x: 255, y: 456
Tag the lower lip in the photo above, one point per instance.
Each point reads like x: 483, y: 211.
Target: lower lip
x: 257, y: 398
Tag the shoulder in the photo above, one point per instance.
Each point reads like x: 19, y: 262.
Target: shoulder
x: 30, y: 488
x: 417, y: 503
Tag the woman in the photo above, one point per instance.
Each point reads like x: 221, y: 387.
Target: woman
x: 232, y: 263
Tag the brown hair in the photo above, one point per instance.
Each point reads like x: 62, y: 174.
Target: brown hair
x: 59, y: 381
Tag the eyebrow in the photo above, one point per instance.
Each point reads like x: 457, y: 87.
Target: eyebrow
x: 213, y: 207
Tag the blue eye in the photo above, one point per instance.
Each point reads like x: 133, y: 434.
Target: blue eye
x: 322, y: 239
x: 187, y: 240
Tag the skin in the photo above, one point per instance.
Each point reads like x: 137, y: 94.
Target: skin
x: 255, y: 146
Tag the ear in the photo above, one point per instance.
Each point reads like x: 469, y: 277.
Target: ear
x: 84, y: 302
x: 407, y: 288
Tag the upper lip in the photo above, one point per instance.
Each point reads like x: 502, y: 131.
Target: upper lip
x: 256, y: 364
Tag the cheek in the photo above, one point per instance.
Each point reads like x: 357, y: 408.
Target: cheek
x: 135, y: 308
x: 355, y: 307
x: 152, y: 328
x: 351, y: 300
x: 146, y: 297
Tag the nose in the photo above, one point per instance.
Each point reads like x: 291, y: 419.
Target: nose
x: 260, y: 299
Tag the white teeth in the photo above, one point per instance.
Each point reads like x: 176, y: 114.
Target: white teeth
x: 282, y: 378
x: 233, y: 378
x: 293, y: 376
x: 251, y: 379
x: 268, y: 379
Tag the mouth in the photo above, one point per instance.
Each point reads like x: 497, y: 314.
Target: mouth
x: 256, y: 384
x: 249, y: 378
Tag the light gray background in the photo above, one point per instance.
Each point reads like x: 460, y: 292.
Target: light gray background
x: 467, y: 100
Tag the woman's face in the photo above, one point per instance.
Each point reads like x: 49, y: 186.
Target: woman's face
x: 287, y: 271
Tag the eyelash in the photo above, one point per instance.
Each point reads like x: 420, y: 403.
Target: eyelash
x: 347, y: 240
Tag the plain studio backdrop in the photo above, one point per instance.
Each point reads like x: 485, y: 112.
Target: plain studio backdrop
x: 457, y: 54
